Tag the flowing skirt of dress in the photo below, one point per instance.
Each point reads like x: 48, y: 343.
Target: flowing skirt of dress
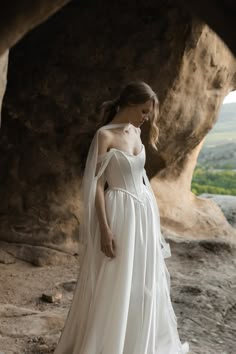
x: 131, y: 311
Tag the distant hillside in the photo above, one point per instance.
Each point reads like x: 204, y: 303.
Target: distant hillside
x: 224, y: 130
x: 219, y: 150
x: 216, y: 166
x: 222, y: 156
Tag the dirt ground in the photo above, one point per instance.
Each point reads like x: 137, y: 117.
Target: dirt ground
x: 203, y: 292
x: 203, y: 289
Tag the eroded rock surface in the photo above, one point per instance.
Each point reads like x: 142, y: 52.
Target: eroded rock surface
x: 22, y: 322
x: 219, y: 15
x: 58, y: 77
x: 206, y: 75
x: 227, y: 203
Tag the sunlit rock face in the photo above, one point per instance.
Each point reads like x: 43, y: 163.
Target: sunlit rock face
x: 219, y: 15
x: 61, y: 72
x: 206, y: 74
x: 3, y: 76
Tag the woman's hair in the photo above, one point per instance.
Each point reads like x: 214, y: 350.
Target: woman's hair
x: 136, y: 92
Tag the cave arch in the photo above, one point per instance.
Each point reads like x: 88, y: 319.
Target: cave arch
x: 49, y: 100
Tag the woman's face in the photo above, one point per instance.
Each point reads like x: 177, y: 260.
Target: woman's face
x: 141, y: 113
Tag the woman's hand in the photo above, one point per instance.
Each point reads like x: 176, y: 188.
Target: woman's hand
x: 108, y: 244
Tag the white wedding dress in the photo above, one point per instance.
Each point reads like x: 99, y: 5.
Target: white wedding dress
x: 131, y: 310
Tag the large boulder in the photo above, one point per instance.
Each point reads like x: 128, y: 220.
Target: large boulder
x: 59, y: 74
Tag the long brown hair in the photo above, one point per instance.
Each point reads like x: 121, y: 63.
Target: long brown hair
x: 135, y: 92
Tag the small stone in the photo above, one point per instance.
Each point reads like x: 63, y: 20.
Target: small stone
x: 6, y: 258
x: 69, y: 285
x: 55, y: 297
x: 43, y: 347
x: 209, y: 306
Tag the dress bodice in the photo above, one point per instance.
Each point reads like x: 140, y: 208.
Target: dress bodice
x: 126, y: 170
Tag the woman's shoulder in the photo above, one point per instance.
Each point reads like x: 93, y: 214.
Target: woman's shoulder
x: 104, y: 133
x: 104, y: 138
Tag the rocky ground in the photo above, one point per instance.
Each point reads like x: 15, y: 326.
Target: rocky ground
x: 203, y: 291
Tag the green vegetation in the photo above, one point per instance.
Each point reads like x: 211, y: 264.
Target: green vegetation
x: 215, y: 172
x: 225, y: 128
x: 214, y: 182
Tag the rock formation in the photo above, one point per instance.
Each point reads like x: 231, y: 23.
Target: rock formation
x: 206, y: 75
x: 218, y: 14
x: 61, y: 72
x: 19, y: 17
x: 3, y: 76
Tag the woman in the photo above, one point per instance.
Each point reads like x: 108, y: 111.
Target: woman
x: 121, y: 303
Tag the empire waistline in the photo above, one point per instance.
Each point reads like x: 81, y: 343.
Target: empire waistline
x: 138, y: 197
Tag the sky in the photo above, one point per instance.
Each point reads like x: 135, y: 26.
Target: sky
x: 231, y: 97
